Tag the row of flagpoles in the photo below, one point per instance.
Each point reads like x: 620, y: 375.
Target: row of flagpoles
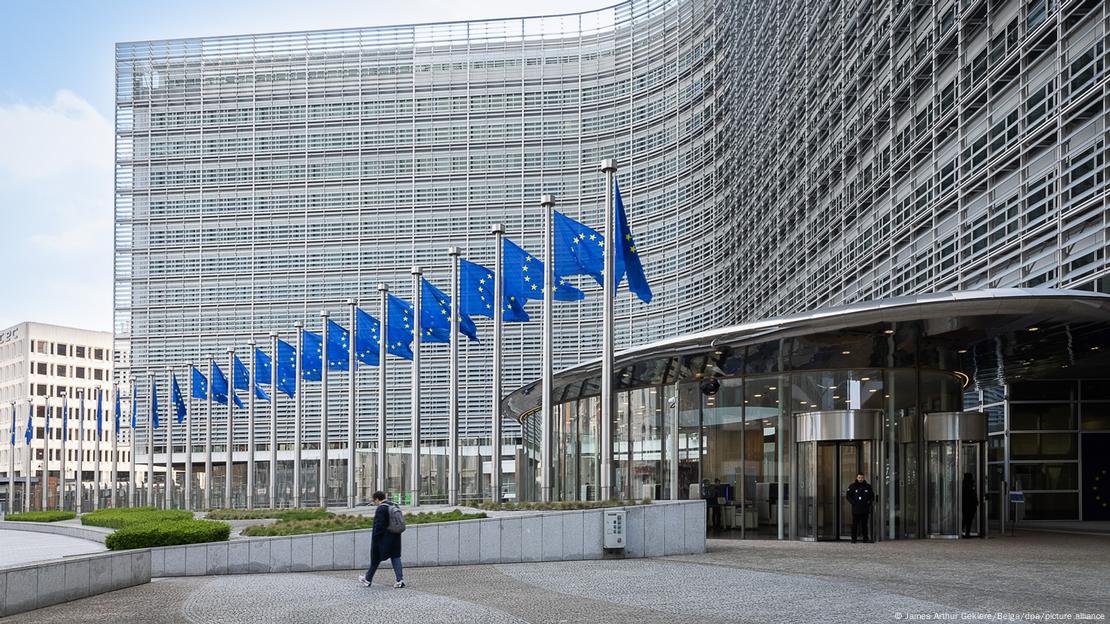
x: 571, y: 248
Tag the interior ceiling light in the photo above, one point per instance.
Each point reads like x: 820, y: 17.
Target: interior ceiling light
x: 1034, y: 328
x: 888, y: 331
x: 845, y: 353
x: 962, y: 351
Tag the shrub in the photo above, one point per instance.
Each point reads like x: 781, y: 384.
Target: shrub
x: 350, y: 523
x: 168, y: 533
x: 430, y: 517
x: 41, y: 516
x: 256, y: 514
x: 120, y: 518
x: 559, y: 506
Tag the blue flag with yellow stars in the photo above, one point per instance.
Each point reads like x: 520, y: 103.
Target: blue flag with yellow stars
x: 263, y: 367
x: 99, y: 412
x: 200, y: 385
x: 65, y: 418
x: 339, y: 341
x: 220, y: 388
x: 579, y: 249
x: 524, y: 276
x: 435, y: 316
x: 400, y: 327
x: 312, y: 356
x: 178, y: 400
x: 367, y: 345
x: 154, y: 416
x: 476, y: 294
x: 118, y: 409
x: 627, y: 259
x: 286, y: 368
x: 241, y: 378
x: 29, y: 433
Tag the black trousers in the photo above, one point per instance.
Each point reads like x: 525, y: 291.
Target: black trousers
x: 715, y: 516
x: 969, y: 519
x: 861, y: 524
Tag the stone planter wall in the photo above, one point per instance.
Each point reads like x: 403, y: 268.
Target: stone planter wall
x: 37, y: 585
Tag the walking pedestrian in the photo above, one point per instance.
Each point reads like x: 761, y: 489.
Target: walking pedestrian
x: 385, y: 539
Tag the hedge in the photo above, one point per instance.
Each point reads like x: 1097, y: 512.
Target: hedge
x: 124, y: 517
x: 279, y: 514
x: 41, y: 516
x: 168, y: 533
x: 559, y: 506
x: 350, y: 523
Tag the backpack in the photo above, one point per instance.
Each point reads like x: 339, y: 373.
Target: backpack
x: 396, y: 519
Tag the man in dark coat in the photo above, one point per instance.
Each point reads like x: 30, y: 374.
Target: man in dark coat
x: 970, y: 502
x: 860, y: 496
x: 384, y: 544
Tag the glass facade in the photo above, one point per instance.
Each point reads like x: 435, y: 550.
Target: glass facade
x: 775, y: 157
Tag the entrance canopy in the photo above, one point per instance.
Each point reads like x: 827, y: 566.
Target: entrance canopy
x: 988, y: 336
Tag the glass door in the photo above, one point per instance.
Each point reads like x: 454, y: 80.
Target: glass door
x: 970, y: 463
x: 943, y: 489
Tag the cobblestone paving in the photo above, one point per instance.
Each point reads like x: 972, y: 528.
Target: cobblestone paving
x: 734, y: 582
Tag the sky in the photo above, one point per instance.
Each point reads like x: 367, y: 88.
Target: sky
x: 57, y: 76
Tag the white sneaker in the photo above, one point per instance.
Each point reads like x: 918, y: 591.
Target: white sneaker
x: 362, y: 579
x: 399, y: 585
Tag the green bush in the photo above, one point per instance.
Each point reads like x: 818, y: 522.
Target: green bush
x: 559, y: 506
x: 256, y: 514
x: 41, y: 516
x: 168, y: 533
x: 350, y: 523
x: 120, y: 518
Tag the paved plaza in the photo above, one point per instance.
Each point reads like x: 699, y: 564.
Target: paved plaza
x: 753, y: 581
x: 20, y: 547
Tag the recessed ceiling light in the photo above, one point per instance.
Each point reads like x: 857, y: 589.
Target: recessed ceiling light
x: 1094, y: 348
x: 772, y: 387
x: 962, y: 351
x: 836, y: 396
x: 873, y: 390
x: 758, y: 396
x: 865, y: 379
x: 888, y: 331
x: 1034, y: 328
x: 845, y: 353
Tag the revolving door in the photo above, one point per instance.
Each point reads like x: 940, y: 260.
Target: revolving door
x: 832, y: 448
x: 955, y: 457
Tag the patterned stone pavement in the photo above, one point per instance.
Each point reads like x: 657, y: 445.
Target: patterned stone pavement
x: 756, y: 581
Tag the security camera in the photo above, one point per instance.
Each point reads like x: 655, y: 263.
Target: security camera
x: 710, y: 386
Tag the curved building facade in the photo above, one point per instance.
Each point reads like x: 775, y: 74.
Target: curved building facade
x: 774, y: 158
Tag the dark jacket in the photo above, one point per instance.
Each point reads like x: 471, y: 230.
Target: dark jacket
x: 860, y: 495
x: 971, y: 499
x: 383, y: 543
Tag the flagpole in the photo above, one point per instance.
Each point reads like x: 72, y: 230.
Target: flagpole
x: 115, y: 446
x: 45, y: 452
x: 498, y: 232
x: 79, y: 476
x: 250, y: 427
x: 65, y: 435
x: 208, y: 436
x: 133, y: 442
x: 150, y: 446
x: 230, y: 437
x: 321, y: 489
x: 414, y: 406
x: 273, y: 418
x: 189, y: 440
x: 453, y: 383
x: 352, y: 438
x: 96, y: 448
x: 546, y: 365
x: 383, y: 352
x: 30, y: 452
x: 171, y: 413
x: 297, y: 417
x: 11, y: 465
x: 609, y: 290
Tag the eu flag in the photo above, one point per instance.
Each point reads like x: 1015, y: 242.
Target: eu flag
x: 220, y: 388
x: 241, y: 377
x: 262, y: 364
x: 99, y: 412
x: 13, y: 425
x: 154, y: 417
x: 339, y: 339
x: 400, y: 327
x: 30, y: 422
x: 118, y: 410
x: 286, y: 368
x: 134, y: 404
x: 476, y: 284
x: 178, y: 400
x: 312, y: 353
x: 627, y: 258
x: 200, y: 385
x: 524, y: 276
x: 435, y: 315
x: 65, y: 418
x: 579, y: 249
x: 367, y: 329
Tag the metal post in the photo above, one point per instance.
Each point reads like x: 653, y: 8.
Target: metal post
x: 171, y: 413
x: 132, y: 465
x: 11, y: 466
x: 547, y: 360
x: 322, y: 487
x: 189, y: 439
x: 150, y: 448
x: 297, y: 404
x: 673, y: 463
x: 45, y: 453
x: 208, y: 437
x: 115, y: 445
x: 453, y: 384
x: 273, y: 418
x: 30, y: 452
x: 414, y: 417
x: 383, y: 352
x: 498, y: 232
x: 79, y: 476
x: 250, y: 427
x: 609, y: 290
x: 230, y: 437
x: 352, y: 437
x: 62, y: 465
x: 96, y: 448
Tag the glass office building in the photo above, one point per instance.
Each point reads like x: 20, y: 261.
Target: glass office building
x: 775, y: 158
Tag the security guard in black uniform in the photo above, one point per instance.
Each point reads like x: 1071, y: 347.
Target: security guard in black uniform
x: 860, y: 496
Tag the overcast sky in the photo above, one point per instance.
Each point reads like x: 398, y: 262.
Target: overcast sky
x: 56, y: 108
